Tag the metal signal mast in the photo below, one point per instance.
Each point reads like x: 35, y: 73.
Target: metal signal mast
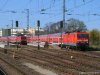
x: 27, y: 19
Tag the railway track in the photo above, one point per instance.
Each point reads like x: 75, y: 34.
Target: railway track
x: 41, y: 60
x: 80, y: 58
x: 97, y: 54
x: 13, y: 67
x: 2, y: 72
x: 9, y: 67
x: 78, y: 54
x: 49, y: 56
x: 58, y: 60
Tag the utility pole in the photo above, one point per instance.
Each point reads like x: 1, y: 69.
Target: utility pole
x: 62, y: 23
x: 63, y: 15
x: 27, y: 19
x: 12, y: 27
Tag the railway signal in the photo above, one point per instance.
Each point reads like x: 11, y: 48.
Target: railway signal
x: 17, y: 34
x: 61, y: 24
x: 16, y: 23
x: 38, y: 23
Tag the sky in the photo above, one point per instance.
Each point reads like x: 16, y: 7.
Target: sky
x: 87, y: 11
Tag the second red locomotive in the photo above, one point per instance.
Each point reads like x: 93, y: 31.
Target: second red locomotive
x: 16, y: 39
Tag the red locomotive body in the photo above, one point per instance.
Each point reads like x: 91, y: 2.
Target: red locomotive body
x: 77, y: 39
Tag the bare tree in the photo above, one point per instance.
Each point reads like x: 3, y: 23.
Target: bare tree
x: 71, y: 25
x: 75, y: 25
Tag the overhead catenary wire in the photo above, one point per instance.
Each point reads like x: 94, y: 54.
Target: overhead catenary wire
x: 37, y: 11
x: 46, y: 10
x: 91, y: 21
x: 38, y: 5
x: 3, y: 6
x: 27, y: 3
x: 70, y: 9
x: 78, y: 6
x: 51, y: 9
x: 53, y: 4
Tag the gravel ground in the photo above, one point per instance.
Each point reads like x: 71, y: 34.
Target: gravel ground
x: 39, y: 69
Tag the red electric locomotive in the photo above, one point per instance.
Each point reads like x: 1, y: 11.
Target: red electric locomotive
x: 77, y: 39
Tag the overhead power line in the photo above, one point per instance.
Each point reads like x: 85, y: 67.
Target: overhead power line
x: 52, y: 5
x: 80, y: 5
x: 93, y: 14
x: 4, y: 5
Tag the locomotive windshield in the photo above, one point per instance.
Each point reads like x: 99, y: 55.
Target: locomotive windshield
x: 82, y: 36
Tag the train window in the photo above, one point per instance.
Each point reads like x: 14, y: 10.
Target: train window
x: 82, y: 35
